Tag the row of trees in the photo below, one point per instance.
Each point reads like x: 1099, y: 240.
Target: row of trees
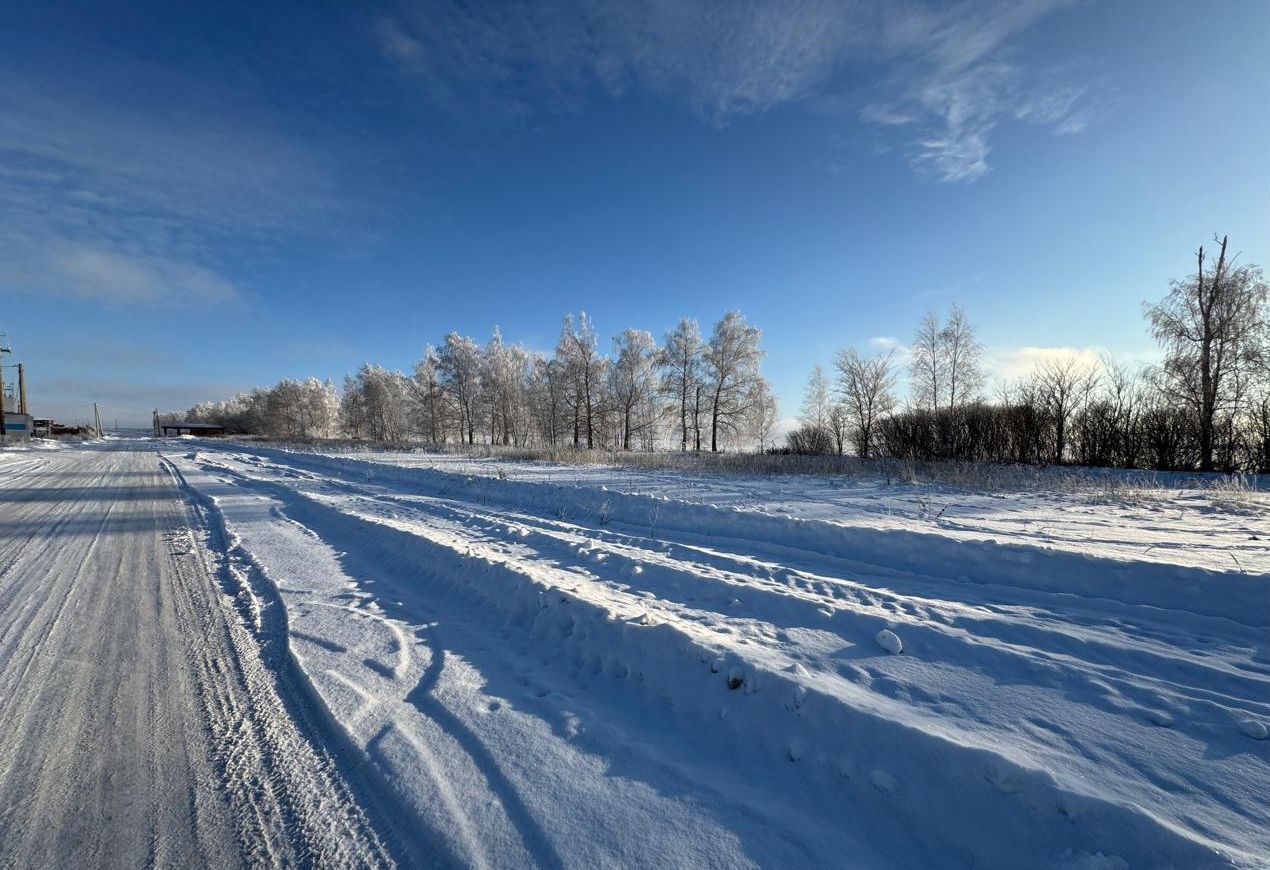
x: 1206, y: 406
x: 690, y: 391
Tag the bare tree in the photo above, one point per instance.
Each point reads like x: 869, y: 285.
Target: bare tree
x: 839, y: 426
x: 816, y: 403
x: 962, y: 358
x: 1211, y: 326
x: 865, y: 386
x: 945, y: 368
x: 732, y: 360
x: 1061, y: 386
x: 927, y: 366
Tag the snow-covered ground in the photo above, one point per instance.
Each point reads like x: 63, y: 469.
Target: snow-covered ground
x: 597, y: 667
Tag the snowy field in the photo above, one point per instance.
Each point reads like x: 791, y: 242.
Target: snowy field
x: 534, y: 665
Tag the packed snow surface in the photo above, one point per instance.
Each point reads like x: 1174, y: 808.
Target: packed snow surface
x: 532, y: 665
x: 141, y: 722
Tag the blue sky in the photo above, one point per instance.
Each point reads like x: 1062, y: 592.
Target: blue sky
x: 196, y: 201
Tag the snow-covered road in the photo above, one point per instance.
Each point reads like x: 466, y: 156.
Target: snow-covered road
x: 577, y: 676
x: 141, y: 723
x: 219, y: 655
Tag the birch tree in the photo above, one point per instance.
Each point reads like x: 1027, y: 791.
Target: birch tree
x: 459, y: 370
x: 732, y: 359
x: 681, y: 378
x: 633, y: 380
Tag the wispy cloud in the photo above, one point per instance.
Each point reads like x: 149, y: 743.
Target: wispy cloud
x: 113, y: 199
x: 941, y: 77
x: 112, y: 277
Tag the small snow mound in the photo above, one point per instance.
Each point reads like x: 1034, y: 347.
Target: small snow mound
x: 716, y: 665
x: 1254, y: 729
x: 796, y: 749
x: 889, y: 641
x: 1096, y: 861
x: 883, y: 781
x: 1163, y: 718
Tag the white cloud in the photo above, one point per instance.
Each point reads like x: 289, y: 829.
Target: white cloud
x: 884, y: 342
x: 1021, y: 362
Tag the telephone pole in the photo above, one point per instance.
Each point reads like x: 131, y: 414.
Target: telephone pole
x: 97, y: 419
x: 3, y: 350
x: 22, y: 390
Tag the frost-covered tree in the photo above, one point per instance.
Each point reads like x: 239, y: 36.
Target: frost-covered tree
x: 732, y: 358
x: 431, y: 404
x: 549, y: 400
x: 579, y: 355
x: 682, y: 377
x: 459, y: 371
x: 375, y: 404
x: 504, y: 372
x: 763, y: 415
x: 633, y: 381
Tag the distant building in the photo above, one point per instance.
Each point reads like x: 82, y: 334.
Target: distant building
x: 203, y: 430
x: 17, y: 426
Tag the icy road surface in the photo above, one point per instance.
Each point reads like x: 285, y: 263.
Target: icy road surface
x: 142, y: 723
x: 568, y: 675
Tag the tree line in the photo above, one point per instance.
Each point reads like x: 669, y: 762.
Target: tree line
x: 1205, y: 406
x: 700, y: 393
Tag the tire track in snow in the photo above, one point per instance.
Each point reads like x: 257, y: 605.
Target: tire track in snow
x: 322, y: 515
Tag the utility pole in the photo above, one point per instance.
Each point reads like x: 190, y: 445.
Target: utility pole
x: 156, y: 422
x: 22, y: 390
x: 3, y: 350
x: 97, y: 419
